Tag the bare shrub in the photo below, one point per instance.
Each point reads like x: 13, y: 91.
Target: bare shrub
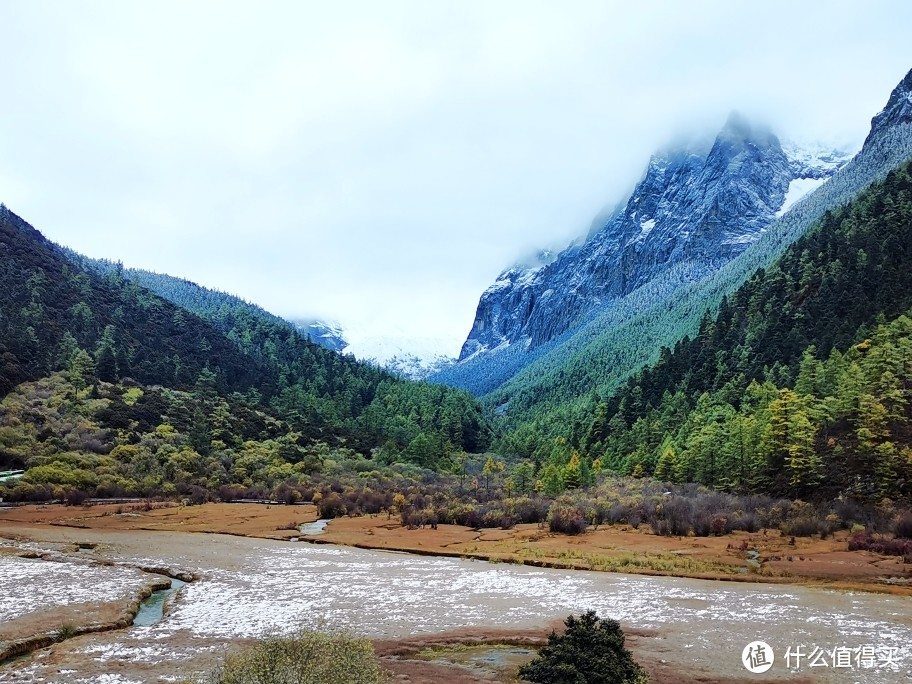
x: 566, y: 519
x: 74, y: 497
x: 310, y: 657
x: 702, y: 524
x: 674, y: 518
x: 230, y: 493
x: 903, y: 526
x: 616, y: 513
x: 288, y: 495
x: 529, y: 510
x: 332, y: 506
x: 802, y: 527
x: 867, y: 541
x: 496, y: 517
x: 744, y: 521
x: 719, y: 525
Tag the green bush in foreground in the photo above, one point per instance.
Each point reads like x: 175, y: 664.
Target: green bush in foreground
x: 590, y: 651
x: 305, y: 658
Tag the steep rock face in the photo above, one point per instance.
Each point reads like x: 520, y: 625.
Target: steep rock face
x: 898, y: 110
x: 696, y: 208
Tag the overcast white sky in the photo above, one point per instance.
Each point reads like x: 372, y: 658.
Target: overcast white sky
x: 380, y: 163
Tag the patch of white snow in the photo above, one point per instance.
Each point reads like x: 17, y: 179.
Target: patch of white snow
x: 798, y: 188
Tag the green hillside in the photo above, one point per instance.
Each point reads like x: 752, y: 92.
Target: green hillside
x: 800, y: 384
x: 57, y: 316
x: 51, y: 308
x: 556, y: 390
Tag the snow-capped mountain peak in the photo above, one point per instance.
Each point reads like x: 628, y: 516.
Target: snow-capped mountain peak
x: 812, y: 164
x: 414, y: 357
x: 697, y: 206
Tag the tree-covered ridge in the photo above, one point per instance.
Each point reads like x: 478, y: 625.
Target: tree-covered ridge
x: 321, y: 387
x: 51, y: 307
x: 842, y: 428
x: 554, y: 390
x: 853, y: 266
x: 771, y: 394
x: 202, y: 301
x: 117, y: 439
x: 58, y: 316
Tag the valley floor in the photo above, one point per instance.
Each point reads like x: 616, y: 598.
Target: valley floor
x: 242, y: 582
x: 766, y: 556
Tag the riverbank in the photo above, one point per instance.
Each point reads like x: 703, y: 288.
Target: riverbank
x: 765, y: 556
x: 57, y: 596
x: 431, y: 619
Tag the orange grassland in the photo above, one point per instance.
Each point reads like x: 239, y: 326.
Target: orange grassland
x: 613, y: 548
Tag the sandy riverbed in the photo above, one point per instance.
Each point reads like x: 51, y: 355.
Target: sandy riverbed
x: 681, y: 629
x: 807, y: 560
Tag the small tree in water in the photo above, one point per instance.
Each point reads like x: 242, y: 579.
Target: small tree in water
x: 590, y: 651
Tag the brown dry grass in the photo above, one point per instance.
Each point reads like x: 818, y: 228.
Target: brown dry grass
x: 615, y: 548
x: 249, y: 520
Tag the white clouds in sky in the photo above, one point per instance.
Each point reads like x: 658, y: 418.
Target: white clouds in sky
x: 381, y: 162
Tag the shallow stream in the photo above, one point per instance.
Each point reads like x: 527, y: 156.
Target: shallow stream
x: 152, y: 609
x: 249, y: 587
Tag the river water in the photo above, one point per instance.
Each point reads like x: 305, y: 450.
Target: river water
x: 252, y: 587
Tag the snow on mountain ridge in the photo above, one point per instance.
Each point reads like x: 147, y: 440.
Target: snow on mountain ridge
x: 815, y: 159
x: 697, y: 206
x: 393, y: 349
x: 812, y: 164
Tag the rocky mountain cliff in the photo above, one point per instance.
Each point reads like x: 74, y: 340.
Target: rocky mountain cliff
x: 697, y: 207
x: 897, y: 112
x: 598, y: 354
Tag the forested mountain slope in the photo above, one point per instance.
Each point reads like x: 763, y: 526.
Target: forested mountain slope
x: 801, y: 383
x: 800, y: 386
x: 548, y: 395
x: 50, y: 307
x: 212, y: 305
x: 55, y: 312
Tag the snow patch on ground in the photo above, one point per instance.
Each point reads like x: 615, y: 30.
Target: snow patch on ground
x: 797, y: 189
x: 43, y: 584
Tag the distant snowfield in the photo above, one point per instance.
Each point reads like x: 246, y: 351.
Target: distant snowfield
x: 396, y: 349
x: 798, y: 188
x: 818, y: 155
x: 383, y: 348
